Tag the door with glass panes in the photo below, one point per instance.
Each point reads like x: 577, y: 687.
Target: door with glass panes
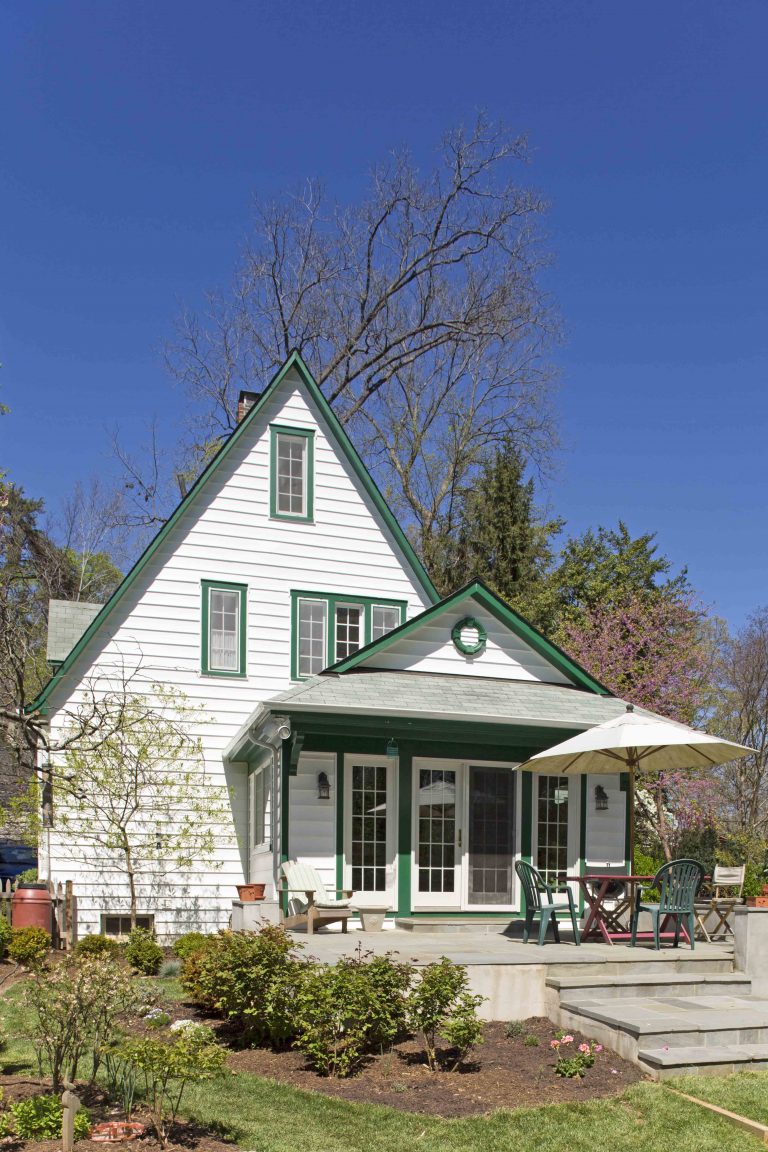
x: 369, y: 833
x: 556, y: 806
x: 464, y: 836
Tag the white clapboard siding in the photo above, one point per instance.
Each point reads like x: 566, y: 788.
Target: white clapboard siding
x: 430, y: 648
x: 606, y: 830
x: 312, y: 822
x: 227, y: 534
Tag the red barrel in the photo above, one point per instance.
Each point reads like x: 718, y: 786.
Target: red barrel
x: 31, y: 906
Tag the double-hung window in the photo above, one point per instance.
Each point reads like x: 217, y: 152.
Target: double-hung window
x: 291, y: 473
x: 224, y: 620
x: 327, y: 627
x: 258, y: 786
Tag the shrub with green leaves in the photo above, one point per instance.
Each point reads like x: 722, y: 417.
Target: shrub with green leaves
x: 40, y: 1118
x: 97, y: 945
x: 143, y: 952
x: 29, y: 947
x: 75, y: 1007
x: 440, y: 1005
x: 169, y: 969
x: 189, y: 943
x: 6, y: 933
x: 28, y: 876
x: 513, y: 1029
x: 165, y: 1067
x: 251, y: 979
x: 348, y: 1011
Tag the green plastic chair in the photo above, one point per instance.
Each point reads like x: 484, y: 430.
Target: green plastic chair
x: 678, y: 882
x: 535, y: 887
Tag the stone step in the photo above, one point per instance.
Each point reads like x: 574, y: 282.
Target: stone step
x: 704, y: 1060
x: 575, y: 989
x: 676, y: 1021
x: 447, y: 925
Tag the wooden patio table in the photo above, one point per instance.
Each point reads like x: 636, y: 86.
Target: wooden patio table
x: 607, y: 923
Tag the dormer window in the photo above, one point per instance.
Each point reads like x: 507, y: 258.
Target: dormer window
x: 329, y: 626
x: 292, y: 473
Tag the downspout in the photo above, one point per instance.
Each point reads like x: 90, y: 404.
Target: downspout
x: 282, y: 732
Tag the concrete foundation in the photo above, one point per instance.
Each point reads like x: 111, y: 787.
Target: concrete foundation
x: 750, y: 946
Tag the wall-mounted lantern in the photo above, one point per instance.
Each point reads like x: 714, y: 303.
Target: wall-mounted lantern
x: 601, y: 799
x: 392, y: 749
x: 323, y: 786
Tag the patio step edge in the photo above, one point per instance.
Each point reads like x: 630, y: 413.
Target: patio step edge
x: 650, y: 980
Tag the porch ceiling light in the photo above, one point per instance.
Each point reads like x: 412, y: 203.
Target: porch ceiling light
x: 392, y: 748
x: 323, y: 786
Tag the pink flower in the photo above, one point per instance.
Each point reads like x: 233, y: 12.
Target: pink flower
x: 584, y: 1048
x: 554, y: 1043
x: 597, y: 1048
x: 567, y: 1039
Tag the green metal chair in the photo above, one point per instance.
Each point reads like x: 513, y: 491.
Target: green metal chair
x: 535, y: 888
x: 678, y: 882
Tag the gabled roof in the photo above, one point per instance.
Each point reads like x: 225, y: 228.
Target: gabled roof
x: 483, y: 595
x: 296, y: 362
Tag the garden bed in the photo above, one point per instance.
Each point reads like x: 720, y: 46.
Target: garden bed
x: 502, y: 1072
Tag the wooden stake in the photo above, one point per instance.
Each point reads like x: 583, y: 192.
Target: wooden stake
x: 70, y: 1104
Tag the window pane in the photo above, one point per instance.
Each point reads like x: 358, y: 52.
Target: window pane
x: 312, y: 624
x: 383, y: 620
x: 291, y: 475
x: 349, y: 619
x: 369, y: 834
x: 223, y: 629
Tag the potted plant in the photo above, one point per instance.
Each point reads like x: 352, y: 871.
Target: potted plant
x: 250, y: 892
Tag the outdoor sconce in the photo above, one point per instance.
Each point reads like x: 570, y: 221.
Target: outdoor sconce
x: 601, y: 799
x: 392, y: 749
x: 323, y: 787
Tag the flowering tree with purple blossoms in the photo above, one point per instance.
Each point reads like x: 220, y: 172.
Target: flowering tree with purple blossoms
x: 654, y: 650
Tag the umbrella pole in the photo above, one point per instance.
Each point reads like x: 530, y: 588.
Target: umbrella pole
x: 631, y: 802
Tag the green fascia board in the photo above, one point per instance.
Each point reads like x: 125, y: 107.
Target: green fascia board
x: 480, y: 592
x: 349, y: 451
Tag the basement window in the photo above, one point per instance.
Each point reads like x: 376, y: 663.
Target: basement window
x: 119, y: 925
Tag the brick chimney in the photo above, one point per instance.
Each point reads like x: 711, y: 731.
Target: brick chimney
x: 245, y: 402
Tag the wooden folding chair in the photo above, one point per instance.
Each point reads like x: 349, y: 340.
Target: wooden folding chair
x: 721, y: 904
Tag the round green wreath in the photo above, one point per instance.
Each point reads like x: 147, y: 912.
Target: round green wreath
x: 460, y: 645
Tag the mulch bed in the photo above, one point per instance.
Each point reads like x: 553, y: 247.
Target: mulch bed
x: 501, y: 1073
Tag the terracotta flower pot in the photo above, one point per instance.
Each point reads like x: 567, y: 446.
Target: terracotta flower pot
x: 117, y: 1131
x: 250, y: 892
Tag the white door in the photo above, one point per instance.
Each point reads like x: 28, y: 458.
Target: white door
x: 556, y: 805
x: 369, y: 834
x: 437, y: 835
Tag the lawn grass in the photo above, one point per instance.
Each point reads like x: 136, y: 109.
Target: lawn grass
x: 263, y: 1116
x: 743, y: 1092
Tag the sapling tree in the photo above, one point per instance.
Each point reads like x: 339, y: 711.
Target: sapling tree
x: 139, y: 794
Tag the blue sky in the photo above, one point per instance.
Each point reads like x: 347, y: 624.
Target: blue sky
x: 134, y: 135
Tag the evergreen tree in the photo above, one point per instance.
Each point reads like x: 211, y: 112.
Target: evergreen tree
x: 499, y: 537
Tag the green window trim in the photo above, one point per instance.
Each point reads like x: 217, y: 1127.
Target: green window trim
x: 308, y: 435
x: 332, y: 600
x: 207, y: 586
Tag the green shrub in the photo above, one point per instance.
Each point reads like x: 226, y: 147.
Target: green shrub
x: 98, y: 946
x: 143, y: 952
x: 514, y: 1029
x: 251, y: 979
x: 189, y: 943
x: 531, y: 1041
x: 169, y: 969
x: 440, y: 1005
x: 165, y: 1067
x: 28, y: 876
x: 6, y: 932
x: 40, y: 1118
x: 29, y: 947
x: 346, y: 1012
x: 75, y: 1007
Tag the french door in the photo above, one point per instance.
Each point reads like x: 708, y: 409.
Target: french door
x: 556, y: 804
x: 464, y: 836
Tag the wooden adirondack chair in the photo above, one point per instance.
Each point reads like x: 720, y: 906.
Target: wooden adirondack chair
x: 314, y: 908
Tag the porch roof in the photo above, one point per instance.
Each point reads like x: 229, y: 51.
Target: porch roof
x: 428, y: 696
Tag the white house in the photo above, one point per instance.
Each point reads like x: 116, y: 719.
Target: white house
x: 360, y: 723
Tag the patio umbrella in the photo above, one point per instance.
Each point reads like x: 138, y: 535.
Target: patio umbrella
x: 635, y: 743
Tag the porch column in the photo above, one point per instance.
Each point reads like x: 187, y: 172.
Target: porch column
x: 404, y: 829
